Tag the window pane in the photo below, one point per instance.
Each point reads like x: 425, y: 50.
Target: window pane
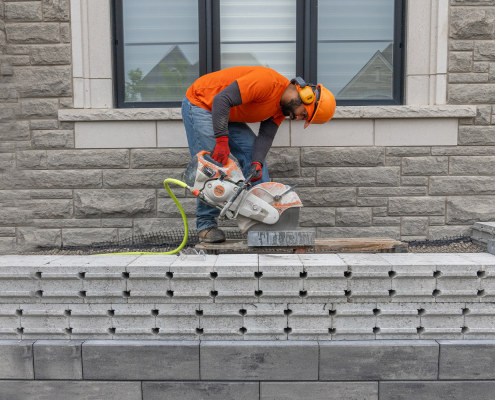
x: 161, y: 51
x: 259, y: 33
x: 355, y: 48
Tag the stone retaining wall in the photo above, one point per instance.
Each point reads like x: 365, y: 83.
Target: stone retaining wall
x: 53, y: 194
x: 248, y: 297
x: 144, y: 370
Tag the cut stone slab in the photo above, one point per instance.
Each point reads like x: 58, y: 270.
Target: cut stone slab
x: 460, y: 390
x: 282, y: 239
x: 379, y: 360
x: 16, y: 360
x: 259, y: 361
x: 201, y: 390
x: 140, y: 360
x: 58, y: 359
x: 319, y: 390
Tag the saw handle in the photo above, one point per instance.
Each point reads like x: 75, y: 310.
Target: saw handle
x: 243, y: 186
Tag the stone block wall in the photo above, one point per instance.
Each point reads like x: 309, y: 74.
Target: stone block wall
x: 52, y: 193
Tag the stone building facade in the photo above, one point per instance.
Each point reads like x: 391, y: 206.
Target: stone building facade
x: 75, y: 170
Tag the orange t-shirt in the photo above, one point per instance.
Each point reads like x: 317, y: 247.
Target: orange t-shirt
x: 261, y: 90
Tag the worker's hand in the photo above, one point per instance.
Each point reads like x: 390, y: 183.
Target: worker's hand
x: 258, y: 172
x: 222, y: 150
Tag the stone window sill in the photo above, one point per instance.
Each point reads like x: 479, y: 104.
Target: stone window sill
x: 360, y: 112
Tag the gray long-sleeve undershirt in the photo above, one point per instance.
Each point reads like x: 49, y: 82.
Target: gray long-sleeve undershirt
x: 231, y: 97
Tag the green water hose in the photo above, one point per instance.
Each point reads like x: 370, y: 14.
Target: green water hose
x: 184, y: 218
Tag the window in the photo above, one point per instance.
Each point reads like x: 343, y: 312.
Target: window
x: 353, y: 47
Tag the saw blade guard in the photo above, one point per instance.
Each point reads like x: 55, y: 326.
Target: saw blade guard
x: 203, y: 168
x: 267, y: 191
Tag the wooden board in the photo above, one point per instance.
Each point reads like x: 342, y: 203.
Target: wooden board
x: 338, y: 245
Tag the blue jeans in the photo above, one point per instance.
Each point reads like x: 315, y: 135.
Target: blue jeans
x: 199, y: 130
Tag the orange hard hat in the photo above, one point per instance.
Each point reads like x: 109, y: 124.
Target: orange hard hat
x: 323, y: 109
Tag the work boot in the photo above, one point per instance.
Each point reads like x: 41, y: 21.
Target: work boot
x: 212, y: 235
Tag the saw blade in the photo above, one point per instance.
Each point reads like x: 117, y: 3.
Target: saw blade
x: 288, y: 221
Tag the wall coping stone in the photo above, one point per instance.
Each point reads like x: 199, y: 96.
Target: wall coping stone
x: 363, y: 112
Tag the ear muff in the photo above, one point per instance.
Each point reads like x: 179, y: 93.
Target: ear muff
x: 305, y: 91
x: 307, y: 95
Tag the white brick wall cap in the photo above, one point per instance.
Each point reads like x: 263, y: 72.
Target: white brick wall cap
x: 161, y: 114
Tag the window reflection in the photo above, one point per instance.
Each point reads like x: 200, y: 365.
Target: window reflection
x: 161, y: 50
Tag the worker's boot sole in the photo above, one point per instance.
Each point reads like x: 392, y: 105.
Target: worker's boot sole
x: 211, y: 235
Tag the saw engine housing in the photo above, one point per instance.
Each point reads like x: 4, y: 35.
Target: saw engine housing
x: 257, y: 207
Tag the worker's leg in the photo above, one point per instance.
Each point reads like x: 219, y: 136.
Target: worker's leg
x: 241, y: 141
x: 199, y: 130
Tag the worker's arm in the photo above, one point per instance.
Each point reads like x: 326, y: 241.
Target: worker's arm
x: 220, y: 110
x: 263, y: 142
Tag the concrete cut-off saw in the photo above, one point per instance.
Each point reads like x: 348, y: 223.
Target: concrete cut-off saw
x: 268, y: 206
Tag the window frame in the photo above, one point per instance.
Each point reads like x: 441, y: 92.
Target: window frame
x: 306, y: 50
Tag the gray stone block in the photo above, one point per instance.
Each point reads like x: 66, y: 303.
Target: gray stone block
x: 201, y: 390
x: 27, y: 11
x: 462, y: 185
x: 88, y: 159
x: 467, y: 359
x: 61, y: 139
x: 436, y: 390
x: 56, y: 10
x: 356, y: 232
x: 141, y: 360
x: 40, y: 124
x: 160, y: 158
x: 37, y: 33
x: 283, y: 162
x: 50, y: 55
x: 16, y: 360
x: 139, y: 178
x: 416, y: 206
x: 342, y: 156
x: 425, y: 166
x: 484, y: 51
x: 462, y: 45
x: 469, y: 23
x: 392, y: 191
x: 475, y: 135
x: 85, y: 237
x: 353, y: 216
x: 319, y: 390
x: 379, y: 360
x: 414, y: 180
x: 473, y: 165
x: 52, y: 179
x: 468, y: 78
x: 259, y: 361
x: 358, y: 176
x: 18, y: 130
x: 289, y: 238
x: 316, y: 216
x: 168, y: 209
x: 74, y: 390
x: 31, y: 159
x: 460, y: 62
x: 57, y: 359
x: 470, y: 209
x: 327, y: 197
x: 414, y: 226
x: 39, y: 108
x: 114, y: 203
x: 44, y: 81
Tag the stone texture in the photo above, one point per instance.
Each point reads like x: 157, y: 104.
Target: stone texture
x: 319, y: 390
x: 52, y: 179
x: 472, y: 23
x: 54, y: 359
x: 17, y: 360
x: 481, y: 67
x: 462, y: 185
x: 124, y: 360
x: 114, y: 203
x: 327, y: 197
x: 470, y: 209
x: 353, y: 217
x: 462, y: 45
x: 471, y: 93
x: 436, y: 390
x: 379, y: 360
x: 44, y: 124
x: 20, y: 33
x: 425, y: 165
x: 342, y: 156
x: 414, y: 180
x: 197, y: 390
x: 484, y: 51
x: 88, y: 159
x: 18, y: 130
x: 470, y: 360
x: 39, y: 108
x: 460, y: 62
x: 356, y: 232
x: 115, y: 114
x: 76, y: 390
x: 416, y: 206
x: 372, y: 202
x: 168, y: 209
x: 468, y: 78
x: 56, y: 10
x: 139, y: 178
x: 358, y: 176
x: 160, y: 158
x: 86, y: 237
x: 31, y: 238
x: 259, y: 361
x: 53, y: 139
x: 50, y: 55
x: 483, y: 116
x: 7, y: 161
x: 477, y: 135
x: 283, y: 162
x: 317, y: 216
x: 47, y: 81
x: 472, y: 165
x: 414, y: 226
x: 26, y: 11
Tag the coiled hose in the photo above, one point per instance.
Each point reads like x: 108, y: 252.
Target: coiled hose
x: 184, y: 218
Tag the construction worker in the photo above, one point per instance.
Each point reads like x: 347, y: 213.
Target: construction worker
x: 217, y: 107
